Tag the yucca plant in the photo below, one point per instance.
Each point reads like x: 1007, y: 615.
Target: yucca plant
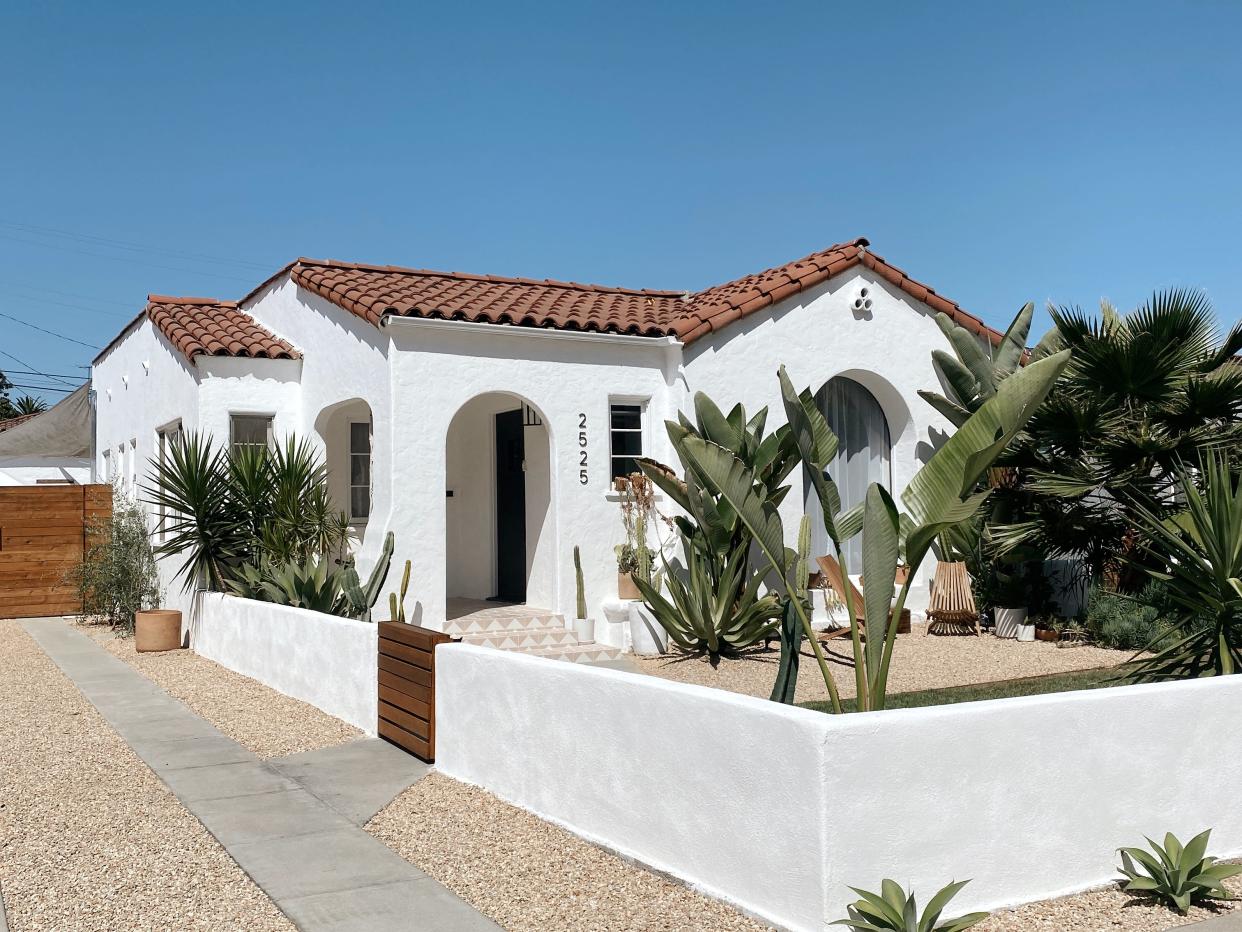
x: 893, y: 910
x: 1197, y: 556
x: 1180, y: 875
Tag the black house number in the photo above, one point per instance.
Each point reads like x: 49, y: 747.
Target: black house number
x: 583, y: 477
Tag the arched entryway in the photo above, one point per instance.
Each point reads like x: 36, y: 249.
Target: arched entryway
x: 498, y: 502
x: 346, y: 429
x: 864, y: 455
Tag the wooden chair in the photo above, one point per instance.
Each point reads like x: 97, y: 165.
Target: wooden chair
x: 952, y: 604
x: 837, y: 581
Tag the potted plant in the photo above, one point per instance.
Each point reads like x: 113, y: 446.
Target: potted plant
x: 1048, y: 629
x: 584, y: 627
x: 1011, y: 597
x: 634, y: 556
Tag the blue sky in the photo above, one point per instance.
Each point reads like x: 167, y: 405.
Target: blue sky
x: 999, y: 153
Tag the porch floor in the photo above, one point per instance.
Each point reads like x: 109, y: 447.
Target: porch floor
x: 483, y: 608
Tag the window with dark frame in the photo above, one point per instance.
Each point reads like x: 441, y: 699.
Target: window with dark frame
x: 359, y: 470
x: 625, y: 432
x: 250, y: 430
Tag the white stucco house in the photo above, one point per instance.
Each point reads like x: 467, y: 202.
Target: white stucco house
x: 483, y: 419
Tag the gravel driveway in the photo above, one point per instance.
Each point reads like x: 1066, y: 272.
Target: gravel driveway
x: 90, y: 839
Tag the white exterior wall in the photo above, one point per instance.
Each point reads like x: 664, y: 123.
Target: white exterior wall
x: 326, y: 661
x: 817, y: 335
x: 779, y: 809
x: 28, y: 470
x: 438, y: 368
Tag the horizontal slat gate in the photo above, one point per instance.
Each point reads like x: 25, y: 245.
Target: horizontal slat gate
x: 407, y: 686
x: 44, y: 531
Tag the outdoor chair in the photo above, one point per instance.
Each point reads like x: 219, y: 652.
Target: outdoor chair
x: 830, y: 569
x: 952, y: 604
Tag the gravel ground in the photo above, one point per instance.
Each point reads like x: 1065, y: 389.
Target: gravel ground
x: 527, y: 874
x: 259, y: 718
x: 1108, y: 910
x: 90, y: 839
x: 919, y: 662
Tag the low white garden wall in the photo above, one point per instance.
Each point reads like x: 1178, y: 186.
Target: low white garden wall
x: 327, y: 661
x: 777, y: 808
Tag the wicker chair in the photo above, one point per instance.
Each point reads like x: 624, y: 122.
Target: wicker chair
x: 952, y: 604
x: 836, y: 580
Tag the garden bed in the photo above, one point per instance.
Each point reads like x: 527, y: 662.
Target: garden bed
x: 919, y: 663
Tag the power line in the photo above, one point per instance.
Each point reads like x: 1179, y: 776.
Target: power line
x: 151, y: 265
x: 53, y: 375
x: 51, y: 333
x: 112, y: 243
x: 27, y: 365
x: 43, y: 388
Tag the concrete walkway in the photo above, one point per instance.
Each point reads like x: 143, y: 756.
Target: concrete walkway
x: 1230, y: 922
x: 292, y: 824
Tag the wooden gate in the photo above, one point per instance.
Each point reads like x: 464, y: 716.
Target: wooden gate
x: 44, y: 531
x: 407, y: 686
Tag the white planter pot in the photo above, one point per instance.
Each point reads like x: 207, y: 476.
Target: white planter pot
x: 584, y: 629
x: 646, y: 636
x: 1010, y: 620
x: 1026, y: 632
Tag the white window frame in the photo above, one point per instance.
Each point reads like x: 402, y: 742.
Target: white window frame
x: 252, y: 415
x: 163, y: 437
x: 628, y: 402
x: 349, y: 475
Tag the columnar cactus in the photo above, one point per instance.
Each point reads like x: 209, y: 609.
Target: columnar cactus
x: 582, y: 606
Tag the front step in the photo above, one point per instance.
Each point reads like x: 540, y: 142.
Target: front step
x: 522, y: 639
x: 490, y: 624
x: 588, y: 652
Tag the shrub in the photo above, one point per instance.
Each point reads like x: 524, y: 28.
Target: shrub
x: 892, y: 910
x: 1179, y: 875
x: 1124, y: 622
x: 117, y: 575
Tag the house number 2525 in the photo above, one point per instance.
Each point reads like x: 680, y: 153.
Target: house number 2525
x: 582, y: 453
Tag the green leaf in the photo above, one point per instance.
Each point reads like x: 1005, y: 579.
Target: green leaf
x: 952, y: 412
x: 1013, y: 345
x: 879, y: 547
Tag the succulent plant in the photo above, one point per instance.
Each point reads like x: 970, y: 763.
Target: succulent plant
x: 581, y: 605
x: 892, y: 910
x: 361, y: 599
x: 1180, y: 875
x: 396, y: 607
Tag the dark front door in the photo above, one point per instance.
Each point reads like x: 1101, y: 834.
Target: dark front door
x: 510, y: 508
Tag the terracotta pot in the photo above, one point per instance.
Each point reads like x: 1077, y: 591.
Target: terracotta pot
x: 1046, y: 634
x: 626, y: 588
x: 157, y: 629
x: 903, y: 573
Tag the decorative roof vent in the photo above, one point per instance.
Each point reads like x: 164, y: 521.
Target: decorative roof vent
x: 863, y: 301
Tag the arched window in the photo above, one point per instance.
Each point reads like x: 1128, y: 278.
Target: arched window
x: 864, y: 456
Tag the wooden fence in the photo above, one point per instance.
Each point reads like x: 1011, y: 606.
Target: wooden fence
x: 407, y: 687
x: 44, y: 531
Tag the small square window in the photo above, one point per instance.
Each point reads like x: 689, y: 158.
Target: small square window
x: 625, y: 438
x: 250, y: 430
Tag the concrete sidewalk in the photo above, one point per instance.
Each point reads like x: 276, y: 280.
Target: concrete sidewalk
x: 293, y: 824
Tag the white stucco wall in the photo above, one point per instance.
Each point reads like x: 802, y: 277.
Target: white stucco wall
x: 327, y: 661
x: 778, y: 808
x: 28, y: 470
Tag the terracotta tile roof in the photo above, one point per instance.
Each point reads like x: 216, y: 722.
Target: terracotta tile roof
x: 371, y: 291
x: 714, y: 308
x: 207, y: 327
x: 14, y: 421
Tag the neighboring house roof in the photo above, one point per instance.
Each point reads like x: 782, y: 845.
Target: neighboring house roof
x: 207, y: 327
x: 12, y: 422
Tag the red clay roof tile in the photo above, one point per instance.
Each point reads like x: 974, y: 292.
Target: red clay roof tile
x: 207, y: 327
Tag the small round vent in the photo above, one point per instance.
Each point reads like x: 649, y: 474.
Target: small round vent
x: 863, y: 301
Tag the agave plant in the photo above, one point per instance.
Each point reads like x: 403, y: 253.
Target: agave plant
x: 892, y: 910
x: 939, y: 496
x: 715, y: 603
x: 1180, y: 875
x: 310, y: 584
x: 1198, y: 560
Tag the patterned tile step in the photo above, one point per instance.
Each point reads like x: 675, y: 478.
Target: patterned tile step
x: 484, y: 624
x: 589, y: 652
x: 519, y: 640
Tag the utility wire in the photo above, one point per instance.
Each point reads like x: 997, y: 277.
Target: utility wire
x: 152, y: 265
x: 29, y: 366
x: 51, y: 333
x: 42, y: 388
x: 112, y: 243
x: 52, y: 375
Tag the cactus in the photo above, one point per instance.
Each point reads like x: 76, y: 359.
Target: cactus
x: 396, y: 606
x: 362, y: 599
x: 582, y: 606
x: 791, y: 628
